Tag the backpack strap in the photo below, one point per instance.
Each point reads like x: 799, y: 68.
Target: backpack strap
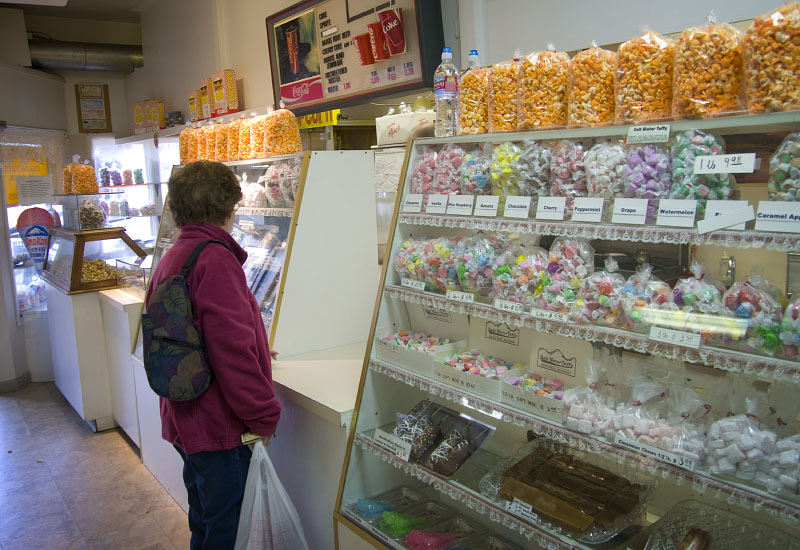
x: 192, y: 259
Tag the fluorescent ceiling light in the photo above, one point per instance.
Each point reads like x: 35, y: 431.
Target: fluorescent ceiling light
x: 59, y: 3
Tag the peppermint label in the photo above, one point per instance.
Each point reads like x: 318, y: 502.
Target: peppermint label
x: 486, y: 205
x: 412, y: 203
x: 648, y: 133
x: 680, y: 338
x: 676, y: 213
x: 409, y: 283
x: 633, y: 211
x: 738, y: 163
x: 658, y: 454
x: 588, y: 209
x: 437, y: 204
x: 779, y: 216
x: 517, y: 207
x: 460, y: 205
x: 505, y: 305
x: 393, y: 444
x: 458, y: 296
x: 551, y: 208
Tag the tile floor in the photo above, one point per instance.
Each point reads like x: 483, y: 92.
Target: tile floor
x: 63, y: 487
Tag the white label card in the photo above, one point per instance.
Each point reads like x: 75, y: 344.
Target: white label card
x: 633, y: 211
x: 550, y: 208
x: 658, y: 454
x: 486, y: 205
x: 680, y: 338
x: 676, y: 213
x: 393, y: 444
x: 437, y: 204
x: 648, y: 133
x: 410, y: 283
x: 505, y: 305
x: 550, y: 315
x: 34, y: 189
x: 737, y: 163
x: 517, y: 207
x: 726, y: 215
x: 780, y: 216
x: 460, y: 205
x: 412, y: 203
x: 458, y: 296
x: 522, y: 509
x: 588, y: 209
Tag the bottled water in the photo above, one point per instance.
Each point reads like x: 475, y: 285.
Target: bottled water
x: 445, y: 93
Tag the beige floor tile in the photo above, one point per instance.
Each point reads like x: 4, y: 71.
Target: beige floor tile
x: 49, y: 541
x: 129, y: 532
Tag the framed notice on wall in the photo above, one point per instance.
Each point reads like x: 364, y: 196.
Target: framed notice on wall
x: 326, y: 54
x: 94, y: 110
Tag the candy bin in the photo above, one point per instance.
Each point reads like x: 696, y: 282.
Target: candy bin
x: 600, y: 297
x: 784, y: 170
x: 534, y: 165
x: 790, y: 330
x: 447, y: 171
x: 643, y: 81
x: 233, y: 139
x: 708, y: 71
x: 84, y: 181
x: 502, y: 98
x: 590, y: 90
x: 475, y: 256
x: 605, y: 171
x: 517, y: 271
x: 648, y: 175
x: 475, y: 171
x: 257, y: 133
x: 504, y: 173
x: 245, y: 151
x: 750, y: 302
x: 698, y: 307
x: 771, y: 57
x: 423, y: 173
x: 473, y: 101
x: 567, y: 172
x: 643, y: 297
x: 542, y: 90
x: 569, y: 262
x: 685, y: 148
x: 281, y: 134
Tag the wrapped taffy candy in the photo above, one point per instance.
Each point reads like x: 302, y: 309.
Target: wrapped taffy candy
x: 708, y: 71
x: 233, y: 139
x: 648, y: 175
x: 257, y: 132
x: 542, y: 89
x: 771, y: 56
x: 245, y: 151
x: 475, y: 171
x: 281, y: 133
x: 686, y: 147
x: 269, y: 180
x: 183, y: 145
x: 447, y: 170
x: 599, y: 298
x: 431, y: 261
x: 84, y: 181
x: 567, y: 172
x: 605, y: 167
x: 569, y: 262
x: 695, y: 294
x: 534, y: 165
x: 784, y: 170
x: 473, y: 101
x: 790, y: 329
x: 504, y: 171
x: 748, y: 301
x: 642, y: 297
x: 516, y: 272
x: 643, y: 81
x: 221, y: 142
x: 590, y: 91
x: 423, y: 173
x: 475, y: 256
x: 502, y: 97
x: 475, y: 362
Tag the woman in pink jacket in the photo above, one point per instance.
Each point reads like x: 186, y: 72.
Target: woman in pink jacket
x: 207, y: 431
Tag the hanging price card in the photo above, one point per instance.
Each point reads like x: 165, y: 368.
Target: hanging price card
x: 730, y: 215
x: 522, y: 509
x: 457, y: 296
x: 412, y: 203
x: 658, y: 454
x: 739, y: 163
x: 550, y: 315
x: 393, y: 444
x: 669, y: 336
x: 505, y: 305
x: 410, y: 283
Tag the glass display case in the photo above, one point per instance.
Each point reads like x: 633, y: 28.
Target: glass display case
x: 132, y: 277
x: 86, y: 261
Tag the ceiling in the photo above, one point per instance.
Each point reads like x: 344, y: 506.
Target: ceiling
x: 123, y: 11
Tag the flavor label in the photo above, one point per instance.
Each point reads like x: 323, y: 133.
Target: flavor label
x: 410, y: 283
x: 780, y: 216
x: 676, y: 213
x: 738, y: 163
x: 648, y: 133
x: 588, y: 209
x: 458, y: 296
x: 680, y: 338
x: 486, y: 206
x: 517, y: 207
x: 460, y: 205
x: 658, y: 454
x: 550, y: 208
x: 437, y: 204
x: 412, y: 203
x: 393, y: 444
x: 725, y: 215
x: 633, y: 211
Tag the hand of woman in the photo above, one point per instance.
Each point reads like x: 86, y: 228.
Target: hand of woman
x: 273, y: 354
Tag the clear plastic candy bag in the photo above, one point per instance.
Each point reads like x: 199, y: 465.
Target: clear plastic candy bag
x: 475, y: 256
x: 784, y: 170
x: 643, y: 81
x: 790, y: 330
x: 423, y: 173
x: 648, y: 175
x: 590, y: 91
x: 569, y: 262
x: 605, y: 170
x: 504, y: 172
x: 534, y: 165
x: 686, y: 147
x: 542, y: 89
x: 517, y: 271
x: 473, y: 101
x: 503, y: 96
x: 749, y: 301
x: 281, y: 133
x: 475, y: 171
x: 567, y: 172
x: 599, y: 298
x: 643, y: 297
x: 447, y: 170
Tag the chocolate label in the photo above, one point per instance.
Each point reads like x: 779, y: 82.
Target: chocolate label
x: 502, y: 333
x: 556, y: 361
x: 437, y: 314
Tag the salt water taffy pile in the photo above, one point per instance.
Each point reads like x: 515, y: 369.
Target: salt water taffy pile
x: 567, y: 172
x: 642, y: 297
x: 475, y: 256
x: 708, y: 71
x: 605, y: 170
x: 447, y: 171
x: 424, y: 171
x: 790, y: 330
x: 784, y: 170
x: 517, y: 272
x: 475, y: 171
x: 503, y: 95
x: 599, y: 298
x: 590, y: 92
x: 504, y: 171
x: 686, y: 147
x: 431, y: 261
x: 475, y: 362
x: 534, y: 166
x: 643, y: 82
x: 536, y: 383
x: 415, y: 341
x: 771, y: 55
x: 570, y: 261
x: 699, y: 308
x: 542, y: 89
x: 648, y: 175
x: 748, y: 301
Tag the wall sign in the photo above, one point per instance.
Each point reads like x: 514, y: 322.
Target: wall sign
x: 94, y: 109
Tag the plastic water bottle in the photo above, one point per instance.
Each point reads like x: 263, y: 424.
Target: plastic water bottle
x: 445, y: 93
x: 473, y: 61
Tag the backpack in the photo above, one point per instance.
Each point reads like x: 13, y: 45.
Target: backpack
x: 174, y: 356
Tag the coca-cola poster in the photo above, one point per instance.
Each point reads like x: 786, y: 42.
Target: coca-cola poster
x: 298, y: 59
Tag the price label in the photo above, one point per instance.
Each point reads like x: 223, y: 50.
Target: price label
x: 738, y: 163
x: 391, y: 345
x: 669, y: 336
x: 648, y: 133
x: 393, y: 444
x: 437, y: 204
x: 588, y: 209
x: 676, y: 213
x: 633, y: 211
x: 505, y: 305
x: 522, y: 509
x: 550, y: 315
x: 658, y: 454
x: 457, y: 296
x: 412, y: 203
x: 550, y: 208
x: 486, y: 205
x: 517, y: 207
x: 460, y: 205
x: 779, y: 216
x: 410, y: 283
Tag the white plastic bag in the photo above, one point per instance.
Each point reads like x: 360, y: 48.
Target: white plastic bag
x: 269, y: 520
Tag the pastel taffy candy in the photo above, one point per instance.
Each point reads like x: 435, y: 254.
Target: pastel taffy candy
x: 517, y: 272
x: 534, y: 164
x: 570, y: 261
x: 643, y: 84
x: 475, y: 171
x: 415, y: 341
x: 643, y: 297
x: 599, y: 298
x: 686, y: 147
x: 761, y: 312
x: 542, y: 89
x: 648, y: 175
x: 590, y: 93
x: 431, y: 261
x: 790, y: 330
x: 447, y: 171
x: 504, y: 171
x: 424, y: 171
x: 605, y: 167
x: 784, y: 170
x: 567, y: 172
x: 475, y: 257
x: 479, y: 364
x: 536, y: 383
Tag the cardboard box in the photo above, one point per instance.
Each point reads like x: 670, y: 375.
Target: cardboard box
x: 195, y: 109
x: 206, y: 99
x: 529, y: 401
x: 414, y: 361
x: 397, y: 128
x: 138, y: 111
x: 225, y: 95
x: 160, y: 115
x: 472, y: 383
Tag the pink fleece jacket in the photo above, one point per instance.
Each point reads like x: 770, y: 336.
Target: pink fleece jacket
x: 240, y: 397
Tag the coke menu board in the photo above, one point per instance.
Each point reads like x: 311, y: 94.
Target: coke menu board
x: 331, y: 53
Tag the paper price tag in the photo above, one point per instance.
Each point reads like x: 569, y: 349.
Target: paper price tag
x: 648, y: 133
x: 409, y: 283
x: 517, y: 207
x: 437, y: 204
x: 779, y: 216
x: 669, y: 336
x: 588, y: 209
x: 550, y: 315
x: 412, y: 203
x: 393, y: 444
x: 457, y: 296
x: 550, y: 208
x: 460, y: 205
x: 633, y: 211
x: 658, y: 454
x: 505, y: 305
x: 486, y: 206
x: 737, y: 163
x: 391, y: 345
x: 522, y: 509
x: 676, y: 213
